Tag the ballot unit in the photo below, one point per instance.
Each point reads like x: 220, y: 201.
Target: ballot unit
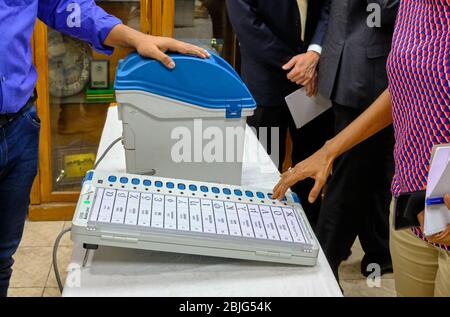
x: 182, y: 216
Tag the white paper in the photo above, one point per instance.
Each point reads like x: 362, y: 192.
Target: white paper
x: 304, y: 109
x: 244, y: 220
x: 257, y: 221
x: 97, y: 204
x: 233, y: 220
x: 107, y: 206
x: 183, y: 213
x: 145, y: 209
x: 221, y: 219
x: 294, y: 227
x: 208, y: 217
x: 158, y: 211
x: 196, y: 215
x: 282, y: 227
x: 170, y: 212
x: 437, y: 217
x: 271, y: 229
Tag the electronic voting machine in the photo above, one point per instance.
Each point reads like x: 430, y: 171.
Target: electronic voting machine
x: 162, y: 214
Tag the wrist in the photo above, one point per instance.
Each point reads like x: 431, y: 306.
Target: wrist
x: 331, y: 150
x: 134, y: 38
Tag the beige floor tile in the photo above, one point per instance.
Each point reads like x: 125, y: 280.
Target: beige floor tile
x: 359, y: 288
x: 51, y: 292
x: 31, y: 267
x: 25, y: 291
x: 41, y: 233
x: 64, y: 256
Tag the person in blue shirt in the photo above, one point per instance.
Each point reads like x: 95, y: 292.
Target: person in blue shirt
x: 19, y: 124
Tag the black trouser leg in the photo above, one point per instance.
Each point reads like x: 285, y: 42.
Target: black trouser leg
x: 306, y: 141
x: 358, y: 195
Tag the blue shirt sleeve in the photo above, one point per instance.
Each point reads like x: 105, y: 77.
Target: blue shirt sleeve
x: 82, y: 19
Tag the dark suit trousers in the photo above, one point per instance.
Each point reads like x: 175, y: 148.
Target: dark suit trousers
x: 357, y: 197
x: 306, y: 141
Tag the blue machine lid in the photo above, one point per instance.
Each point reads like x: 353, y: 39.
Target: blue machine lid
x: 210, y: 83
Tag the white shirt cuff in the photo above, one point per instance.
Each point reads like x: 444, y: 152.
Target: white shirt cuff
x: 316, y: 48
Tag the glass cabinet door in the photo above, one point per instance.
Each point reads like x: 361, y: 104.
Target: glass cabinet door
x: 205, y: 23
x: 78, y: 91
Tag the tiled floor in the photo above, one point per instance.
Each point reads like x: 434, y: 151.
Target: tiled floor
x: 33, y: 272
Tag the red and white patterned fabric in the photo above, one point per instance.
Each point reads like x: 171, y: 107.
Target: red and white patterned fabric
x: 419, y: 83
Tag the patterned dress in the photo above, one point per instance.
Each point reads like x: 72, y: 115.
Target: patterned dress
x: 419, y: 83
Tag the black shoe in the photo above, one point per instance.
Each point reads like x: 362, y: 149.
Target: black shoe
x: 385, y: 265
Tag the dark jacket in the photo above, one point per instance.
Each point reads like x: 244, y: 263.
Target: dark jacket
x: 352, y: 68
x: 269, y: 33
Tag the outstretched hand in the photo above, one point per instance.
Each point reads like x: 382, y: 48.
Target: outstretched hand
x: 317, y: 166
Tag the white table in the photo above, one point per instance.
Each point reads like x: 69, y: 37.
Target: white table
x: 126, y: 272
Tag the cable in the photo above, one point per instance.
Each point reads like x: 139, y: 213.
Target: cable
x: 106, y: 151
x: 55, y: 258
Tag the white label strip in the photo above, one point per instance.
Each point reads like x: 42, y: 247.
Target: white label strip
x: 269, y: 223
x: 120, y: 206
x: 281, y: 224
x: 220, y: 217
x: 145, y: 210
x: 233, y: 220
x: 245, y: 221
x: 158, y: 211
x: 98, y: 202
x: 195, y: 215
x: 131, y: 217
x: 209, y: 224
x: 293, y: 225
x: 183, y: 213
x: 170, y: 213
x: 107, y: 206
x: 258, y: 225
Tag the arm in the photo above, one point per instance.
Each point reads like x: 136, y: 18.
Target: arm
x: 322, y: 25
x: 303, y: 66
x: 318, y: 166
x: 255, y: 35
x: 84, y: 20
x: 388, y: 8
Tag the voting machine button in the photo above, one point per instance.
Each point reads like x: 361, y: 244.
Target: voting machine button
x: 135, y: 181
x: 124, y: 180
x: 112, y: 179
x: 204, y: 189
x: 249, y: 193
x: 260, y: 195
x: 193, y: 188
x: 181, y: 186
x: 158, y: 184
x: 215, y: 190
x: 147, y: 182
x: 238, y: 192
x: 170, y: 185
x: 226, y: 191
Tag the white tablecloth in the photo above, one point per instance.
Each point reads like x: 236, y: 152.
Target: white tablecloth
x: 126, y: 272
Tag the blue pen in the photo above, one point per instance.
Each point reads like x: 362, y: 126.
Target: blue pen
x: 435, y: 201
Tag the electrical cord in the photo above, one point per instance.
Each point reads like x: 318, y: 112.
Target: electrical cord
x: 106, y: 151
x: 62, y: 233
x: 55, y: 258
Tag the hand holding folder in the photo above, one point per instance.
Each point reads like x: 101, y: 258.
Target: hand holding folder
x: 437, y: 214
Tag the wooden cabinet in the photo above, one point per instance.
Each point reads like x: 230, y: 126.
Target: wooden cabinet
x: 72, y: 115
